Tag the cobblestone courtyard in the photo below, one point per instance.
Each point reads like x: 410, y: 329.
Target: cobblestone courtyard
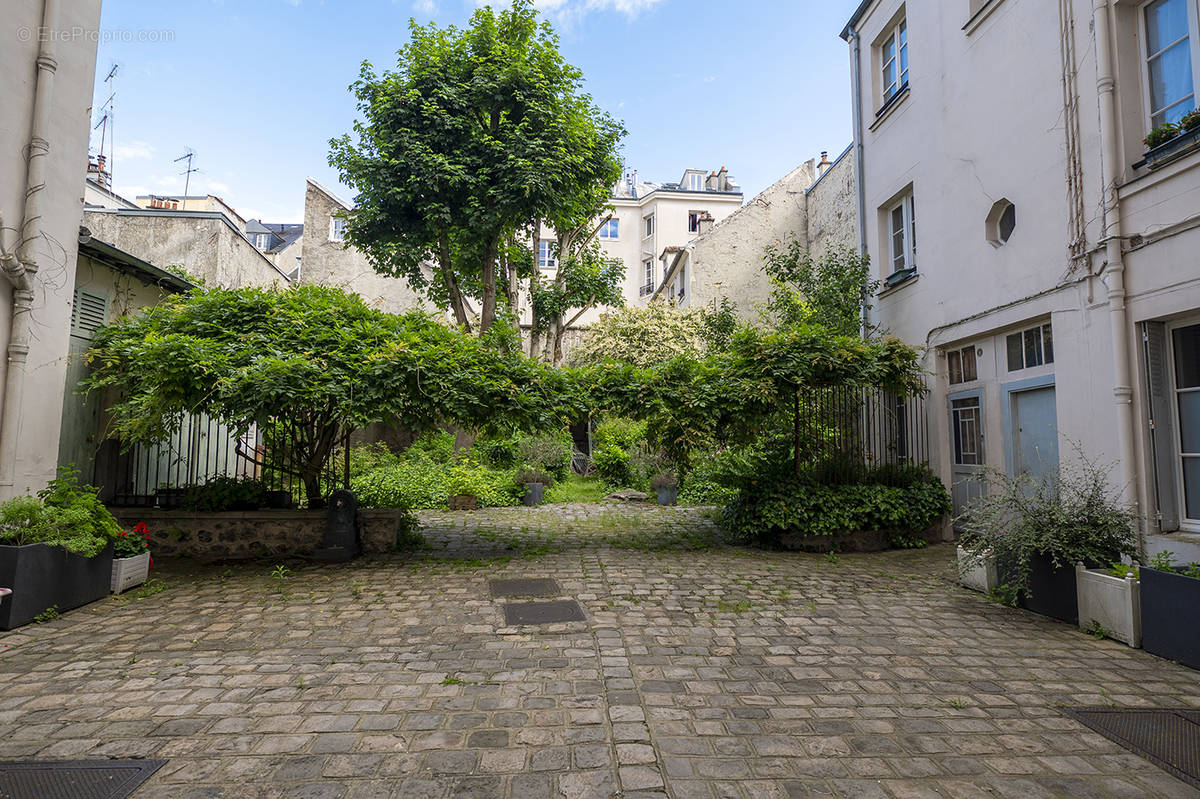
x: 701, y: 671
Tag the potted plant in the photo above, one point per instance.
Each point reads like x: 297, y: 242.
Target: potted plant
x: 1170, y: 610
x: 55, y: 550
x: 1037, y: 530
x: 131, y: 558
x: 465, y: 486
x: 535, y: 482
x: 1161, y: 135
x: 977, y: 573
x: 666, y: 485
x: 1110, y: 601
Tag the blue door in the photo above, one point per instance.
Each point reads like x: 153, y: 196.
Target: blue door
x: 1035, y: 433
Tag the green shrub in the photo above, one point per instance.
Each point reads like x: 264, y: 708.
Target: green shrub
x: 550, y: 453
x: 437, y: 446
x: 796, y: 505
x: 619, y: 432
x: 224, y: 493
x: 368, y: 457
x: 499, y: 452
x: 65, y: 513
x: 611, y: 464
x: 703, y: 484
x: 419, y: 483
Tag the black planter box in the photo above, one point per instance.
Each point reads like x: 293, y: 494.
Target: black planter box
x: 533, y: 494
x: 1171, y: 616
x: 42, y: 577
x: 1052, y: 591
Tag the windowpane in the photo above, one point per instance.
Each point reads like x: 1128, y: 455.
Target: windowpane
x: 903, y: 65
x: 1191, y: 486
x: 968, y: 441
x: 1171, y: 78
x: 1033, y: 347
x: 1008, y: 222
x: 954, y: 362
x: 888, y: 57
x: 1016, y: 358
x: 968, y: 364
x: 911, y: 205
x: 1189, y: 422
x: 1048, y: 343
x: 1187, y: 357
x: 1166, y: 23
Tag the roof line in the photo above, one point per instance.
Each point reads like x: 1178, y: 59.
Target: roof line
x: 855, y: 17
x: 335, y: 198
x: 131, y: 264
x: 836, y: 161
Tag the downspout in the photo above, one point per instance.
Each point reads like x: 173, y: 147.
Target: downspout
x: 21, y: 269
x: 860, y: 184
x: 1114, y: 277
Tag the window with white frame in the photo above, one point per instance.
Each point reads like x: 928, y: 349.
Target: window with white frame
x: 902, y: 234
x: 682, y: 281
x: 1170, y: 59
x: 610, y: 230
x: 1030, y: 348
x: 695, y: 181
x: 262, y: 241
x: 893, y: 59
x: 649, y: 223
x: 1185, y: 343
x: 337, y: 228
x: 694, y: 221
x: 648, y: 276
x: 546, y: 259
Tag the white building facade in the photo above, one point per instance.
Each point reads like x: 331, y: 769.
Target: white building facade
x: 1029, y: 240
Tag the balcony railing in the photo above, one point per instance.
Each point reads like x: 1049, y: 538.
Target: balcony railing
x: 646, y: 290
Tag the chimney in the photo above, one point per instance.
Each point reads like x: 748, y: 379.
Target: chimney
x: 723, y: 180
x: 825, y: 164
x: 706, y: 223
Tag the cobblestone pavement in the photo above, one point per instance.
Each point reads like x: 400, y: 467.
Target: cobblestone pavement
x: 701, y: 672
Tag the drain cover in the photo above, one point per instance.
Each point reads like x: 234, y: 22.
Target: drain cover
x: 543, y: 612
x: 74, y: 779
x: 530, y: 587
x: 1170, y: 739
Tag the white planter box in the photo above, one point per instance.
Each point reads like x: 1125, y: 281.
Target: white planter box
x: 128, y: 572
x: 981, y: 577
x: 1113, y: 602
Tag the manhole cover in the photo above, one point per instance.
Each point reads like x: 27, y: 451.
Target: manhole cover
x: 1170, y: 739
x: 74, y: 779
x: 530, y: 587
x: 543, y: 612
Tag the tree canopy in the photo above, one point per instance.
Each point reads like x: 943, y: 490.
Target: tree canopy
x: 475, y: 134
x: 318, y: 361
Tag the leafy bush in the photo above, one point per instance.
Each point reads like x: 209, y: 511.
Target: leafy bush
x: 703, y: 484
x: 611, y: 464
x: 437, y: 447
x: 527, y: 476
x: 368, y: 457
x: 65, y: 514
x: 225, y: 493
x: 550, y: 453
x: 797, y: 505
x: 618, y: 431
x: 664, y: 479
x: 1072, y: 515
x: 419, y: 483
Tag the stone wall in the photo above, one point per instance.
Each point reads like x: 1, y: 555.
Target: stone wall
x: 253, y: 534
x: 832, y: 212
x: 203, y: 243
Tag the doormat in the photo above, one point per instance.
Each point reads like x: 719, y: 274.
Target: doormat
x: 524, y: 587
x: 1170, y: 739
x: 543, y: 612
x: 74, y: 779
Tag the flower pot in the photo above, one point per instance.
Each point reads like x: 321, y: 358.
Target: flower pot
x: 1175, y: 147
x: 464, y: 502
x: 1051, y: 590
x: 43, y: 577
x: 980, y: 577
x: 1170, y: 616
x: 1112, y: 602
x: 128, y: 572
x: 533, y: 494
x: 667, y: 495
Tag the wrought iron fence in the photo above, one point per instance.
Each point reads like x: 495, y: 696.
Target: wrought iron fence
x: 202, y: 449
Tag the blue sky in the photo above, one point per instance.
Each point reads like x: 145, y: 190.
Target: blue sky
x: 258, y: 87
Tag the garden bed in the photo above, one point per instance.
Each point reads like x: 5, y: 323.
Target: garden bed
x: 867, y: 540
x: 240, y: 535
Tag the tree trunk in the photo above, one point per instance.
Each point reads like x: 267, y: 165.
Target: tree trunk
x: 487, y: 309
x: 447, y: 269
x: 535, y: 281
x: 312, y: 489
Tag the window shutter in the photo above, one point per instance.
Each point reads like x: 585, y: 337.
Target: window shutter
x: 1162, y: 427
x: 88, y: 312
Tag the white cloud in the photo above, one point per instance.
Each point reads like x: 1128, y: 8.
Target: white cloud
x: 217, y: 187
x: 133, y: 150
x: 425, y: 6
x: 572, y: 10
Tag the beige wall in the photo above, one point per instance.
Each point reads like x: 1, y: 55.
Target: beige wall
x: 331, y: 263
x: 985, y: 119
x: 40, y: 401
x: 204, y: 243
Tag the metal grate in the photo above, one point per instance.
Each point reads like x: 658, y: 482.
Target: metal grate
x: 543, y: 612
x: 534, y: 586
x: 74, y: 779
x: 1170, y: 739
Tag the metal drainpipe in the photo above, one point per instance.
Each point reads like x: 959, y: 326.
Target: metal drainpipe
x: 1114, y: 276
x: 20, y: 273
x: 856, y: 89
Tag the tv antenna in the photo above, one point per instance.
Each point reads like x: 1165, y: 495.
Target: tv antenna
x: 188, y: 155
x: 106, y: 126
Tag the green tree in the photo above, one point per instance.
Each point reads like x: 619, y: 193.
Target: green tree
x: 834, y: 291
x: 643, y: 336
x: 475, y: 134
x: 317, y: 363
x: 583, y: 280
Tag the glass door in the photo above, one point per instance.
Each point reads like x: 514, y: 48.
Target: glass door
x: 1186, y: 349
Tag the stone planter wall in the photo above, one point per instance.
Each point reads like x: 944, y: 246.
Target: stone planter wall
x: 238, y: 535
x: 939, y: 532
